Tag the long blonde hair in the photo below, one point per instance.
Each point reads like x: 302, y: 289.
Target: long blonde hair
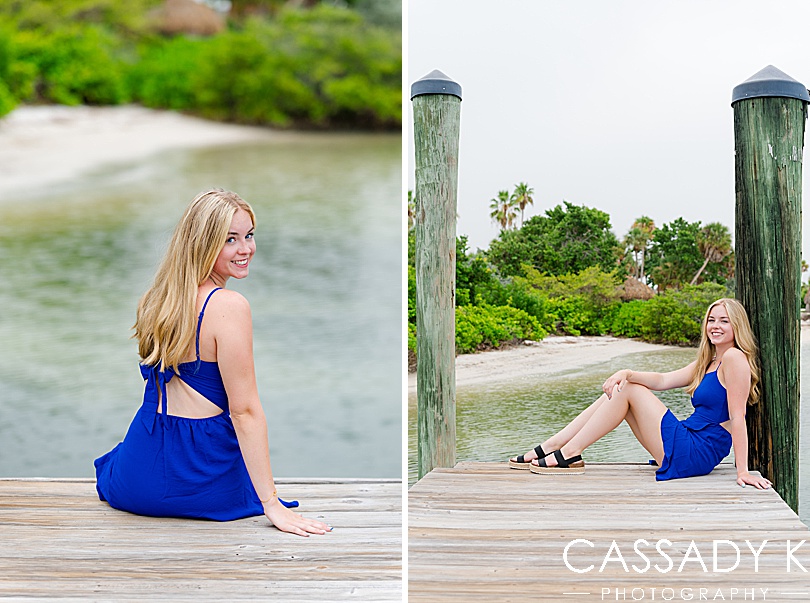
x: 166, y: 324
x: 743, y: 340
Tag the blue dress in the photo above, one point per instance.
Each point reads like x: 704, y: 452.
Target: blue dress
x: 170, y: 466
x: 696, y: 445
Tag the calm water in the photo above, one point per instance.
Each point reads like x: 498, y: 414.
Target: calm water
x: 325, y: 291
x: 497, y: 421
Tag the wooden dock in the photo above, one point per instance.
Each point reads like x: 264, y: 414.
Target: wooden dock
x: 483, y: 532
x: 58, y: 542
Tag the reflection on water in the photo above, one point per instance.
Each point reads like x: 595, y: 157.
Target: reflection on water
x: 325, y: 292
x: 500, y: 420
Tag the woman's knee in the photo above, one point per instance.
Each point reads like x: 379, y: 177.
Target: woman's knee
x: 631, y: 389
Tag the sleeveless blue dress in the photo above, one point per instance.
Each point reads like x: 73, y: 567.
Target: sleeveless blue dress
x: 170, y: 466
x: 696, y: 445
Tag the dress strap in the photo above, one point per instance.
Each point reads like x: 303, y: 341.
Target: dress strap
x: 199, y: 320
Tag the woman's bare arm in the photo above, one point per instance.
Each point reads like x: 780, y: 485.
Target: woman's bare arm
x: 737, y: 377
x: 228, y: 316
x: 654, y: 381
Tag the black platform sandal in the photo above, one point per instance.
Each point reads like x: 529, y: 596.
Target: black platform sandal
x: 521, y: 463
x: 573, y: 466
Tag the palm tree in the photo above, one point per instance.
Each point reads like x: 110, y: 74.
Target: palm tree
x: 522, y: 197
x: 503, y: 210
x: 645, y: 227
x: 666, y: 276
x: 714, y: 242
x: 636, y: 242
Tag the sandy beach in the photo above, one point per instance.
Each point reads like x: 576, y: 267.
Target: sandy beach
x: 552, y: 355
x: 41, y: 146
x: 532, y: 359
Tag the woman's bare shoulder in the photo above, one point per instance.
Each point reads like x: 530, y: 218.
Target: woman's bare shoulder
x: 734, y: 359
x: 227, y: 302
x: 735, y: 355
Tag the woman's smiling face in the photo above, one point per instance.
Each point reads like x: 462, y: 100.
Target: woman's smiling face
x: 234, y: 259
x: 718, y: 326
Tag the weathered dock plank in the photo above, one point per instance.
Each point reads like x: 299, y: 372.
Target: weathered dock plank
x: 59, y: 542
x: 483, y: 532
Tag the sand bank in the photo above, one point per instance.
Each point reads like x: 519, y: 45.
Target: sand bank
x: 44, y: 145
x: 552, y: 355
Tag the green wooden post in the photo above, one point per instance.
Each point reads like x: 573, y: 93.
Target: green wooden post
x: 769, y: 118
x: 436, y: 118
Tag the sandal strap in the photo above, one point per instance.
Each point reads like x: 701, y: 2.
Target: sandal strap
x: 542, y: 460
x: 537, y: 449
x: 563, y: 462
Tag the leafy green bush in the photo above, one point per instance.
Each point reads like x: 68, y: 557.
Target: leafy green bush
x: 7, y: 101
x: 412, y: 337
x: 322, y: 66
x: 519, y: 293
x: 163, y: 75
x: 675, y: 317
x: 473, y: 274
x: 578, y: 304
x: 481, y: 327
x: 626, y: 321
x: 73, y: 65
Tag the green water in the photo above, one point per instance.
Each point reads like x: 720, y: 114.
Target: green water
x: 325, y: 292
x: 500, y: 420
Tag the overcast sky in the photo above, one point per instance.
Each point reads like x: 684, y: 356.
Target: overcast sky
x: 622, y: 105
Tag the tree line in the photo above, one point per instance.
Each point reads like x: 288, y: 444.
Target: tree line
x: 566, y: 272
x: 284, y: 64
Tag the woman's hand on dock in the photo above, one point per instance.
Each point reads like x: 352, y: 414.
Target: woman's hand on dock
x: 289, y: 521
x: 758, y: 482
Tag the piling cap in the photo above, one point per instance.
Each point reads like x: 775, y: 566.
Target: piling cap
x: 435, y: 82
x: 770, y: 82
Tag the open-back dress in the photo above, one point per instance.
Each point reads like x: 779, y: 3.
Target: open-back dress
x: 697, y: 444
x: 169, y: 466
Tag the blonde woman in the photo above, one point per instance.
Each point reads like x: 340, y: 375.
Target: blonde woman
x: 197, y: 446
x: 722, y: 381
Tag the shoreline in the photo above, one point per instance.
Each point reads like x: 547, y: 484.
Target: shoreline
x: 553, y: 354
x: 44, y: 145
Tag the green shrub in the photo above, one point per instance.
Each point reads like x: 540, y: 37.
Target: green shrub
x: 481, y: 327
x: 578, y: 315
x: 577, y: 304
x: 675, y: 316
x: 163, y: 76
x: 322, y: 66
x: 518, y: 293
x: 626, y: 321
x: 473, y: 275
x: 7, y: 101
x: 412, y: 337
x: 74, y: 65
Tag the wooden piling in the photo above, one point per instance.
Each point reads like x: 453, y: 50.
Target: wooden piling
x: 769, y: 119
x: 436, y: 113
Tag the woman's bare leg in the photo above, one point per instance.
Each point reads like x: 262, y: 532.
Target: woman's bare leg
x: 646, y: 411
x: 559, y: 439
x: 650, y: 447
